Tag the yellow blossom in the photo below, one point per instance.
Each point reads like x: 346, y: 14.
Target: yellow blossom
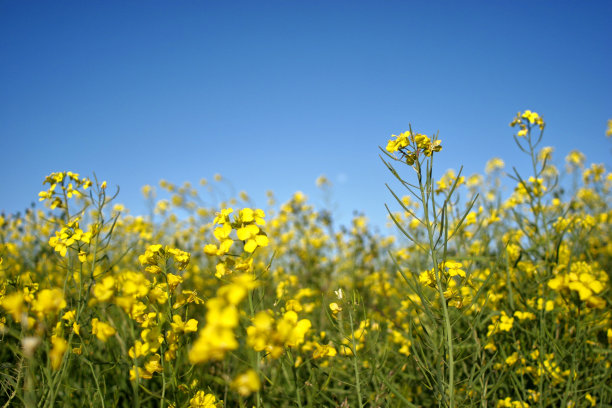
x: 102, y: 330
x: 246, y: 383
x: 49, y: 302
x: 173, y: 281
x: 202, y: 400
x: 179, y: 326
x: 57, y: 352
x: 335, y: 308
x: 14, y: 305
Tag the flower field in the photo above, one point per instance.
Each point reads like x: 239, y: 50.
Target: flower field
x: 480, y: 299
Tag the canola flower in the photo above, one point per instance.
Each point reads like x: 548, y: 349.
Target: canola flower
x: 526, y: 120
x: 246, y: 383
x: 412, y: 145
x: 203, y: 400
x: 273, y: 336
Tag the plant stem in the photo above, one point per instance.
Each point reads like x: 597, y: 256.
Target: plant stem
x: 355, y: 360
x: 447, y: 324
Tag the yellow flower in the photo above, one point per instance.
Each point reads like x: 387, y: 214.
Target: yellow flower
x: 294, y: 305
x: 49, y: 302
x: 293, y: 330
x: 137, y: 372
x: 152, y: 338
x: 401, y: 141
x: 545, y: 154
x: 246, y: 383
x: 223, y: 314
x: 508, y: 403
x: 151, y: 255
x: 153, y: 365
x: 221, y: 270
x: 591, y: 398
x: 13, y: 304
x: 548, y: 306
x: 133, y: 284
x: 173, y: 281
x: 104, y: 290
x: 181, y: 258
x: 425, y: 144
x: 236, y: 291
x: 210, y: 249
x: 248, y: 215
x: 102, y: 330
x: 323, y: 351
x: 212, y: 344
x: 223, y: 216
x: 138, y: 349
x: 405, y: 349
x: 411, y: 145
x: 525, y: 120
x: 202, y: 400
x: 158, y: 294
x: 427, y: 278
x: 251, y: 234
x: 524, y: 315
x: 506, y: 322
x: 454, y: 268
x: 58, y: 244
x: 57, y: 352
x: 490, y: 346
x: 178, y: 326
x: 494, y: 164
x: 502, y: 322
x: 513, y: 358
x: 575, y: 158
x: 335, y: 308
x: 222, y: 232
x: 532, y: 117
x: 258, y: 334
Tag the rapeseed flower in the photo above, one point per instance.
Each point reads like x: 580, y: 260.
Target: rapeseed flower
x: 57, y: 351
x: 202, y: 400
x: 48, y: 302
x: 102, y: 330
x: 246, y: 383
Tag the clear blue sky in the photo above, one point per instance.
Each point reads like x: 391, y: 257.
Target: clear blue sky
x: 272, y: 94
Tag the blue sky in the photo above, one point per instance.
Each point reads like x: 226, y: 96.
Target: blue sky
x: 272, y: 94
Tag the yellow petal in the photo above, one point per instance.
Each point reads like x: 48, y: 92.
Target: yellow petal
x: 250, y: 245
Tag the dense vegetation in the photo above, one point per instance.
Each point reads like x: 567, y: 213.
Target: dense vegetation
x: 479, y: 300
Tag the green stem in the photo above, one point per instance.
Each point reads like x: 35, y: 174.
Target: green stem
x: 355, y: 361
x: 258, y: 355
x: 447, y: 323
x: 295, y: 380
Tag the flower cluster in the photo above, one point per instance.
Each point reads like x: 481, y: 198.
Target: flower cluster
x: 247, y: 225
x: 526, y: 120
x: 584, y: 280
x: 455, y: 284
x: 156, y: 257
x: 69, y: 235
x: 222, y: 316
x: 272, y: 336
x: 70, y: 184
x: 411, y: 145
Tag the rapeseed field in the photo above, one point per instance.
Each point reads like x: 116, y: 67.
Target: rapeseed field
x: 477, y: 300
